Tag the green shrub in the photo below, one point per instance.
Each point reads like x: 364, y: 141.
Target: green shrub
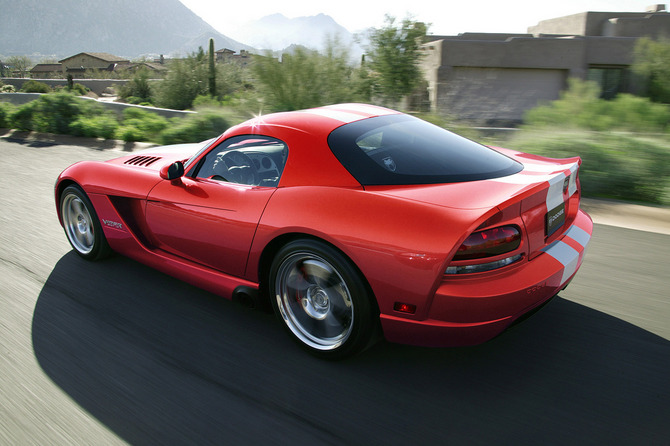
x: 134, y: 100
x: 21, y: 118
x: 145, y: 125
x: 186, y: 80
x: 56, y: 111
x: 638, y: 114
x: 33, y: 86
x: 138, y: 88
x: 206, y: 101
x: 129, y: 133
x: 580, y: 107
x: 195, y: 128
x: 7, y: 89
x: 625, y: 154
x: 53, y: 113
x: 64, y: 113
x: 100, y: 126
x: 6, y: 110
x: 79, y: 90
x: 624, y: 166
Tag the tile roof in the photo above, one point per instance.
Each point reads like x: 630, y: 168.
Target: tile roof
x: 43, y: 67
x: 102, y: 56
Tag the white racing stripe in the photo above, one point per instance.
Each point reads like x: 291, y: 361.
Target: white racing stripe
x: 350, y: 112
x: 555, y: 191
x: 338, y: 115
x: 579, y: 235
x: 535, y: 173
x: 365, y: 109
x: 572, y: 188
x: 541, y: 168
x: 566, y: 254
x: 523, y: 178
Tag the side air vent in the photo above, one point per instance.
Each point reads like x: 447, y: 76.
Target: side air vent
x: 142, y: 160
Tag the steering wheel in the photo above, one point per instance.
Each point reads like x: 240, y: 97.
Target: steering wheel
x: 240, y: 168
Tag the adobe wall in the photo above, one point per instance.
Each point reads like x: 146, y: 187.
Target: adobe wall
x: 516, y: 52
x: 655, y: 26
x: 574, y: 24
x: 609, y: 51
x: 609, y: 24
x: 494, y: 82
x: 496, y: 96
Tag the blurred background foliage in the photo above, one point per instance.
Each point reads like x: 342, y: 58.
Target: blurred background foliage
x: 624, y: 141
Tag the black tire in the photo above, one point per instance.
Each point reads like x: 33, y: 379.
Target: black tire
x: 322, y: 299
x: 82, y: 225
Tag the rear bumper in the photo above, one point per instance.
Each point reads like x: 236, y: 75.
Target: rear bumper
x: 472, y: 310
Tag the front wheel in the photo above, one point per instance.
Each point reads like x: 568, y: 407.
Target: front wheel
x: 81, y: 224
x: 322, y: 299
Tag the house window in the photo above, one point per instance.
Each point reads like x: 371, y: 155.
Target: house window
x: 612, y: 80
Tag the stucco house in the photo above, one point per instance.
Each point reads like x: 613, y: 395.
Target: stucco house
x: 152, y: 67
x: 46, y: 71
x: 78, y: 64
x: 494, y: 78
x: 228, y: 55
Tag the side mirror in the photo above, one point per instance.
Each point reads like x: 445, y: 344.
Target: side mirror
x: 172, y: 171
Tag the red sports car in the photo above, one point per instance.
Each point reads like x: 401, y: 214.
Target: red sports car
x: 351, y: 221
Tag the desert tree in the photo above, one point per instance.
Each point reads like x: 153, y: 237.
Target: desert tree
x: 395, y: 56
x: 652, y: 63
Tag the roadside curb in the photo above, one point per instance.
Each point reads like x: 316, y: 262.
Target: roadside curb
x: 47, y: 139
x: 628, y: 215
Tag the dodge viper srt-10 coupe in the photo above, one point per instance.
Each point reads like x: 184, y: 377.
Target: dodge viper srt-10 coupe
x: 351, y: 221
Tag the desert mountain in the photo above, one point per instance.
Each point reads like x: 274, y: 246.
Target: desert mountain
x: 127, y: 28
x: 277, y: 32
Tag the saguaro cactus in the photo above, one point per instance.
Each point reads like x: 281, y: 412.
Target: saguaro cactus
x: 212, y: 70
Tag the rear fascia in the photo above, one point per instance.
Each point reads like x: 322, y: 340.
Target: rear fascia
x: 471, y: 310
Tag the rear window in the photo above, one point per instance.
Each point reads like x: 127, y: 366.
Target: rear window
x: 403, y: 150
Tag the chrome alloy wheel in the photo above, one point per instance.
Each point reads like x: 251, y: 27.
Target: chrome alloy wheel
x: 314, y: 300
x: 78, y: 223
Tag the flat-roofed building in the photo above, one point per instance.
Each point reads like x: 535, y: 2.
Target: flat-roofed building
x: 494, y: 78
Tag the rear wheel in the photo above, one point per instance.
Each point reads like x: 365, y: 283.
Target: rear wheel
x: 322, y: 299
x: 81, y: 224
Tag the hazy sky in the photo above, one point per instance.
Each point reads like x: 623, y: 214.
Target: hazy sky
x: 451, y: 17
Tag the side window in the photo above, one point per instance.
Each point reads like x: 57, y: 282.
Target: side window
x: 250, y: 159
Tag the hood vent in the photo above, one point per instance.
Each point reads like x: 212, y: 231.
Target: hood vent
x: 142, y: 160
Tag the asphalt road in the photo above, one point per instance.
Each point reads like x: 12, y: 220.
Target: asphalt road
x: 114, y: 352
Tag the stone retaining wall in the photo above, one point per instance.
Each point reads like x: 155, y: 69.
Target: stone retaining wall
x: 97, y: 86
x: 118, y: 107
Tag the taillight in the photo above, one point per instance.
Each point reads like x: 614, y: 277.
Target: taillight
x: 489, y: 243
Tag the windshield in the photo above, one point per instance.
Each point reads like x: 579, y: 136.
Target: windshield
x: 403, y: 150
x: 205, y: 146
